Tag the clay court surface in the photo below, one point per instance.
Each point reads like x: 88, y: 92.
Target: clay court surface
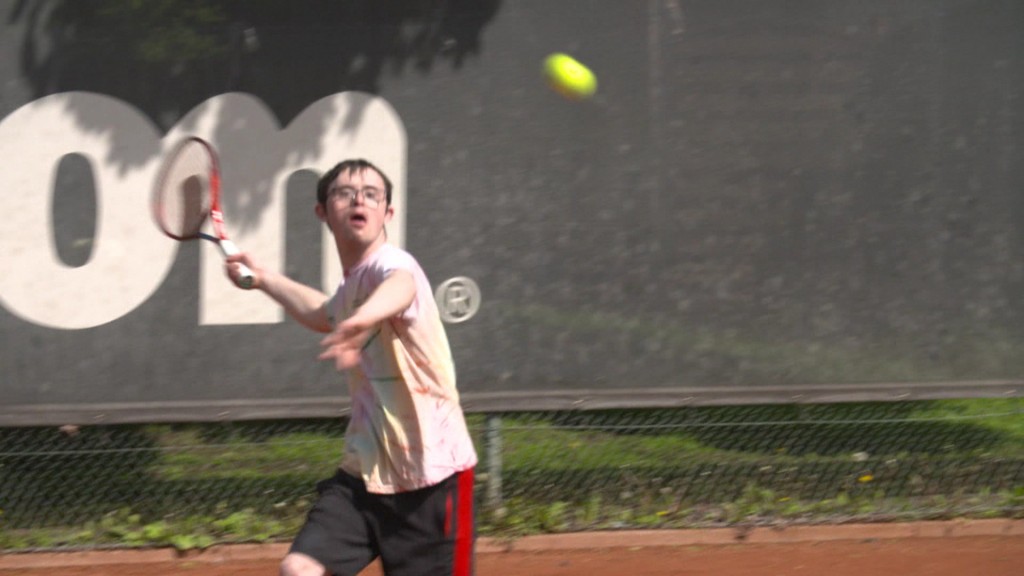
x: 982, y: 548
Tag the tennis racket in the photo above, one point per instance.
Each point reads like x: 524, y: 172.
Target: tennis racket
x: 187, y: 193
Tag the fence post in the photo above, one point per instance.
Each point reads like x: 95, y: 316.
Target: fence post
x: 492, y: 446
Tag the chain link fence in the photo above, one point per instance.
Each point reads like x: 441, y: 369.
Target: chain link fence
x: 195, y: 485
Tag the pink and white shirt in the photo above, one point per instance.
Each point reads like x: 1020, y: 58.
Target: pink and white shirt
x: 407, y: 430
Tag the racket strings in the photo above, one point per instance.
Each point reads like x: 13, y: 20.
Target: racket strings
x: 183, y: 194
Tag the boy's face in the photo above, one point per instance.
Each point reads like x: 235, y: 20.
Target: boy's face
x: 356, y: 209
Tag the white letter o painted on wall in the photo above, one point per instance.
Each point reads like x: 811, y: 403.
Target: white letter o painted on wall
x: 130, y: 258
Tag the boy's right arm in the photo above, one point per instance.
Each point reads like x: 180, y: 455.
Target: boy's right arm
x: 307, y: 305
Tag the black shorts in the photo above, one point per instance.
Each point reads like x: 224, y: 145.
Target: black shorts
x: 424, y: 532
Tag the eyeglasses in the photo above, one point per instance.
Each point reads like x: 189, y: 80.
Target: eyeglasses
x: 372, y: 197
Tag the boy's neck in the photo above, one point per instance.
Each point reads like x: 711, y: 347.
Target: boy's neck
x: 354, y: 255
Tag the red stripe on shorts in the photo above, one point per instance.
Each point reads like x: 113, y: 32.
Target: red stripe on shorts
x: 463, y: 563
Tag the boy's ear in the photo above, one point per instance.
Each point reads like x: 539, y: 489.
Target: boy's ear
x: 321, y: 215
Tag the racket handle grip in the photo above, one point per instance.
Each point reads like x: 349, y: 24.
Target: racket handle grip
x: 245, y: 277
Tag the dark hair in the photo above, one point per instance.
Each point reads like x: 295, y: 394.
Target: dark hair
x: 348, y: 167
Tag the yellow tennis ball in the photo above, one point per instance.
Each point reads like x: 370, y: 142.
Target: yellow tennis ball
x: 568, y: 77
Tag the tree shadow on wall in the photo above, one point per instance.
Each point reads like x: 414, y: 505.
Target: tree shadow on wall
x: 166, y: 57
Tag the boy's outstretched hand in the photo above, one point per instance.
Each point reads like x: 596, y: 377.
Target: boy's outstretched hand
x: 347, y: 341
x: 345, y: 344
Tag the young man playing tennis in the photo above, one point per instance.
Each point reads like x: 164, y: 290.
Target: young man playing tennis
x: 404, y: 488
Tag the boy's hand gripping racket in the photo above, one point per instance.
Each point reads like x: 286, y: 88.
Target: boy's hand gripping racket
x: 187, y: 192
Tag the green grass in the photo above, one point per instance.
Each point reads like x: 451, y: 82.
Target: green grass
x: 995, y: 426
x: 186, y: 455
x: 1003, y: 415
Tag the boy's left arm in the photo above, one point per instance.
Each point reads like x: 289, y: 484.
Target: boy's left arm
x: 391, y: 297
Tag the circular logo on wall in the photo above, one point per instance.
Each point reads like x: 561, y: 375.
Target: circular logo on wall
x: 458, y: 299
